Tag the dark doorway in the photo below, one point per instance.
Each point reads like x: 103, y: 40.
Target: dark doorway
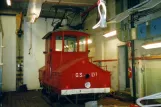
x: 124, y: 81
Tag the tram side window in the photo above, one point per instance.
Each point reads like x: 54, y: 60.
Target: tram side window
x: 82, y: 44
x: 58, y: 46
x: 47, y: 46
x: 70, y: 43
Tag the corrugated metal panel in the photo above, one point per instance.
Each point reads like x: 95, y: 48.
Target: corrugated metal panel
x: 155, y: 27
x: 142, y: 31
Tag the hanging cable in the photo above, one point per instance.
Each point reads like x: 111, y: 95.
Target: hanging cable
x: 102, y: 13
x: 46, y: 22
x: 30, y: 39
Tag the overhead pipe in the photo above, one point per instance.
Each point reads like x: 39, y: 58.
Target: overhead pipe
x: 122, y: 16
x: 107, y: 60
x: 150, y: 97
x: 102, y: 21
x: 102, y: 13
x: 72, y: 2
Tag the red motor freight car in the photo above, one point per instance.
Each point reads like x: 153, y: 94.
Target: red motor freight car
x: 67, y: 69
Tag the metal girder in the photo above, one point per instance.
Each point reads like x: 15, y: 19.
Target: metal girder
x: 67, y: 2
x: 69, y: 8
x: 9, y: 12
x: 73, y: 2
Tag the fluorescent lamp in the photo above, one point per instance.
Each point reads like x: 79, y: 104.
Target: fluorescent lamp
x: 57, y: 49
x: 89, y: 41
x: 152, y: 45
x: 8, y: 2
x: 110, y: 34
x: 80, y: 43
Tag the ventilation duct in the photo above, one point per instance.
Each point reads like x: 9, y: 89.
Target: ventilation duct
x: 34, y: 9
x: 147, y: 4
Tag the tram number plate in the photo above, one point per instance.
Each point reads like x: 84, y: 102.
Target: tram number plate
x: 79, y: 75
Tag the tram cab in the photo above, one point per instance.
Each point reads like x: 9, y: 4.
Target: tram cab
x: 67, y: 68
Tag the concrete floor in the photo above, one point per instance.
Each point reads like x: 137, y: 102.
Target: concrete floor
x: 111, y: 102
x: 35, y: 99
x: 25, y: 99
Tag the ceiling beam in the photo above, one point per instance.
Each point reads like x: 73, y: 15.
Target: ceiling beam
x: 73, y: 2
x: 8, y: 12
x: 65, y: 2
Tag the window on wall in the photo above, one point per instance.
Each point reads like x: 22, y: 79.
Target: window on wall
x: 58, y: 41
x: 82, y: 44
x: 70, y: 43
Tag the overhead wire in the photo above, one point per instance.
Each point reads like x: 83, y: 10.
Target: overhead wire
x: 55, y: 14
x: 30, y: 39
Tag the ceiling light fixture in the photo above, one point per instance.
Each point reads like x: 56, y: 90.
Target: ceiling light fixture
x: 84, y: 42
x: 110, y: 34
x: 152, y: 45
x: 8, y: 2
x: 89, y: 41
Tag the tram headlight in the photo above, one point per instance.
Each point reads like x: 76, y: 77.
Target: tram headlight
x: 87, y: 84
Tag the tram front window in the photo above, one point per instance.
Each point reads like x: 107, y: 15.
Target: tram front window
x: 58, y: 43
x: 70, y: 44
x: 82, y: 44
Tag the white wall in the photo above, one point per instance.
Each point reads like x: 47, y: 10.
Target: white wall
x: 9, y: 53
x: 111, y: 52
x: 148, y: 71
x: 31, y: 62
x: 36, y: 59
x: 105, y: 48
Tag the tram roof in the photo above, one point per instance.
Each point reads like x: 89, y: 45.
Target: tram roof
x: 67, y: 32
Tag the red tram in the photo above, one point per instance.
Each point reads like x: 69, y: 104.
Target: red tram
x: 67, y: 70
